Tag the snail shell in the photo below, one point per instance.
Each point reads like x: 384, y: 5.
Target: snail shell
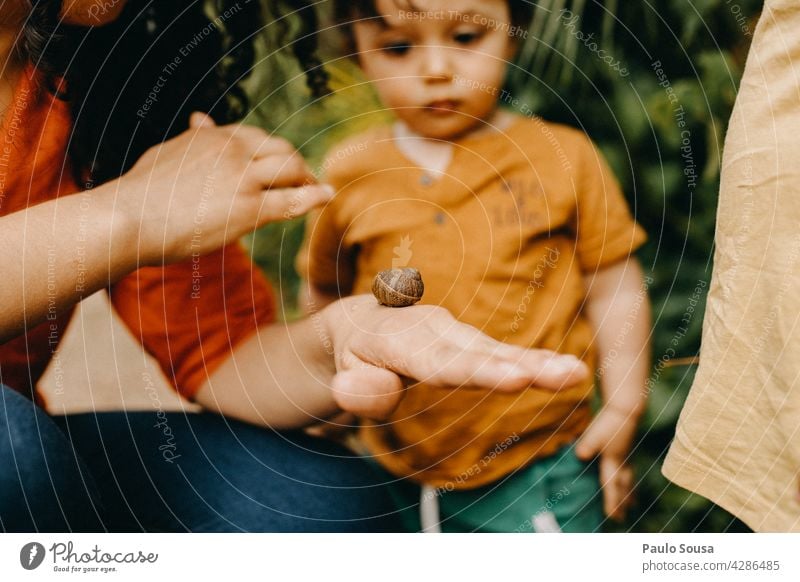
x: 398, y: 287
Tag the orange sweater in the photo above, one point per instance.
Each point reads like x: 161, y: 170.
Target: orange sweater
x: 188, y: 333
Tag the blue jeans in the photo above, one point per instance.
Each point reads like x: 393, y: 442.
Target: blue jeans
x: 155, y: 471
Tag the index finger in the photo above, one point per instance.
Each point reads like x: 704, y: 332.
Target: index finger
x: 260, y: 142
x: 288, y: 203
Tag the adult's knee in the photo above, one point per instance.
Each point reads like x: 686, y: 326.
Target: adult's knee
x: 41, y: 486
x: 256, y: 480
x: 24, y: 432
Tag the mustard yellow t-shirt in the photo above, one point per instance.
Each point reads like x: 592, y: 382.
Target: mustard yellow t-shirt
x: 503, y: 238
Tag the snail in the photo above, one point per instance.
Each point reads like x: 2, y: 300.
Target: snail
x: 398, y: 287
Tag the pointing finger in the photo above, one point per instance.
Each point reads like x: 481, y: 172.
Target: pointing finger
x: 288, y: 203
x: 281, y: 171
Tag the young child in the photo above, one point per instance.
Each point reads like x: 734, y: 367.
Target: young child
x: 518, y: 228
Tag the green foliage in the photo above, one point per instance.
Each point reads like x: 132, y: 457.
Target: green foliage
x: 661, y: 127
x: 313, y: 127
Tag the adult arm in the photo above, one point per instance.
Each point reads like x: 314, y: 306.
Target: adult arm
x: 56, y: 253
x: 190, y: 195
x: 356, y: 355
x: 619, y: 310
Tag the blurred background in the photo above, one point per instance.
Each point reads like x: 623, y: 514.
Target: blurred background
x: 669, y: 172
x: 656, y: 101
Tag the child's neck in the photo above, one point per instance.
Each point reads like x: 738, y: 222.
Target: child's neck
x: 434, y: 155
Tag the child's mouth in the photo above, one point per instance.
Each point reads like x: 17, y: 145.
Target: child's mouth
x: 442, y: 106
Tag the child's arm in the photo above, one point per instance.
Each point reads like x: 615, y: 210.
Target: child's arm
x: 326, y: 271
x: 311, y: 300
x: 619, y: 310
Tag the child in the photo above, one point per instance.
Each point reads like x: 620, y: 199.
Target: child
x: 518, y: 228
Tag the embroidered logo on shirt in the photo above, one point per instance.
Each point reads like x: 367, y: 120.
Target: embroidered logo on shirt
x: 522, y: 205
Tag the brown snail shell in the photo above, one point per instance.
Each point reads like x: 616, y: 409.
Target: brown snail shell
x: 398, y: 287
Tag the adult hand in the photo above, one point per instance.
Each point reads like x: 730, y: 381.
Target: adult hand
x: 211, y: 185
x: 378, y: 350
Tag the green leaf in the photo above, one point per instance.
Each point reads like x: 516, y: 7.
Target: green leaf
x: 695, y: 13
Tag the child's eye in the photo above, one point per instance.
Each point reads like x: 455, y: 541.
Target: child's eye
x: 396, y: 49
x: 466, y: 37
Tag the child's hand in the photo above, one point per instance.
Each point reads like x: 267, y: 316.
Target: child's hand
x: 610, y: 436
x: 338, y: 428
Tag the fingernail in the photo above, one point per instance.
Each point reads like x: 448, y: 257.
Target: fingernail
x: 329, y: 190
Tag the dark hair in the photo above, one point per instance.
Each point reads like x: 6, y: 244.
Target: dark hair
x: 132, y: 83
x: 346, y: 12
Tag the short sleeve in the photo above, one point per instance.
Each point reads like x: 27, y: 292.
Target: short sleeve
x: 191, y: 315
x: 604, y: 228
x: 323, y: 260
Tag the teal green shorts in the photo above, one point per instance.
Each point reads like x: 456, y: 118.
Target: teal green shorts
x: 558, y: 493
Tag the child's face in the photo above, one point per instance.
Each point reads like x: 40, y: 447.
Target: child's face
x: 440, y: 68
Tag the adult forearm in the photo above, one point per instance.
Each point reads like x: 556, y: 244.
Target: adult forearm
x: 279, y: 377
x: 56, y: 253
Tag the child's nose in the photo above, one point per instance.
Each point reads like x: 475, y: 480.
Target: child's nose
x: 436, y: 64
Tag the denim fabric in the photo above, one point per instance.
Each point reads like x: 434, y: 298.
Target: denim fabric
x: 149, y: 471
x: 44, y: 485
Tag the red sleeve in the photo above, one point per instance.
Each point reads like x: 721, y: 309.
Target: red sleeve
x: 191, y: 315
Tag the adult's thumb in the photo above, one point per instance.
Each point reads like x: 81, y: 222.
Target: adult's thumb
x: 368, y: 392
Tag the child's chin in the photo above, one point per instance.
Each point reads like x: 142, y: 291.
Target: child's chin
x: 444, y: 129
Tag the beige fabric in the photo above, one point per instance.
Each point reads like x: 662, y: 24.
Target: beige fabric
x: 99, y: 366
x: 738, y: 437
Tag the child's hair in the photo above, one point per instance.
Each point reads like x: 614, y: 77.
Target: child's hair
x: 345, y: 12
